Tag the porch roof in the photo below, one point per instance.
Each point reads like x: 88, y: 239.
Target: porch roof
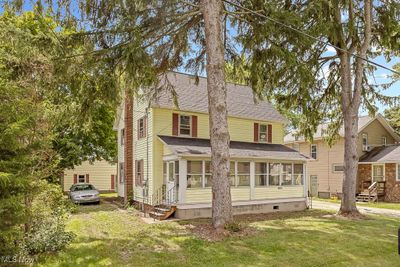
x: 183, y: 146
x: 390, y: 153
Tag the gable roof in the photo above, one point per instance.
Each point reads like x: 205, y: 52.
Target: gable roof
x: 198, y: 147
x: 363, y: 122
x: 193, y: 97
x: 383, y: 154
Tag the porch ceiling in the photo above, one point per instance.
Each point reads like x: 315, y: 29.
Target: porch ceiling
x: 182, y: 146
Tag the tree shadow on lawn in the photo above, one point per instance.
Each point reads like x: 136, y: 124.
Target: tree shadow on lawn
x: 303, y: 239
x: 94, y: 207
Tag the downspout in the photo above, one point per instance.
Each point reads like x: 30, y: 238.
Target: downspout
x: 147, y: 153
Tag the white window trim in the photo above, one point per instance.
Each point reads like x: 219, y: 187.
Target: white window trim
x: 397, y: 172
x: 372, y: 171
x: 384, y: 140
x: 316, y: 151
x: 179, y: 125
x: 364, y: 147
x: 259, y: 133
x: 84, y: 178
x: 337, y: 164
x: 266, y: 174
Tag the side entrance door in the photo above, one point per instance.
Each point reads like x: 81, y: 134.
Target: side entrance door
x: 314, y: 185
x: 172, y: 172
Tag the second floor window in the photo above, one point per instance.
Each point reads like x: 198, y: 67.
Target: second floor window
x: 384, y: 140
x: 263, y: 134
x: 122, y: 136
x: 184, y: 125
x: 314, y: 151
x: 142, y: 127
x: 365, y: 142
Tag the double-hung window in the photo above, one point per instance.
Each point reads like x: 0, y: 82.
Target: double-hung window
x: 263, y: 133
x: 184, y: 125
x: 121, y: 172
x: 365, y: 142
x: 243, y: 174
x: 298, y: 174
x: 384, y: 140
x: 314, y: 151
x: 142, y: 127
x: 261, y: 174
x: 122, y: 136
x: 274, y: 173
x: 286, y: 174
x: 194, y: 174
x: 81, y: 178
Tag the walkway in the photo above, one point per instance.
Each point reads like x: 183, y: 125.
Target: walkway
x: 363, y: 209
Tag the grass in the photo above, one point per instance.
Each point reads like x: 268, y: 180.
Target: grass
x: 107, y: 236
x: 106, y: 195
x: 379, y: 205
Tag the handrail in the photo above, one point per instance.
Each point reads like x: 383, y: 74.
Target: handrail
x: 374, y: 184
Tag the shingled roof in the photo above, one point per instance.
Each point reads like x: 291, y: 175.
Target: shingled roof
x: 363, y: 121
x: 382, y: 154
x: 193, y: 97
x: 182, y: 146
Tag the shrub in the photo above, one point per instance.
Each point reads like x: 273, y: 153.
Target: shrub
x: 50, y: 211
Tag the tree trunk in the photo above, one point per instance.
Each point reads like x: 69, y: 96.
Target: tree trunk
x: 217, y: 107
x: 350, y: 102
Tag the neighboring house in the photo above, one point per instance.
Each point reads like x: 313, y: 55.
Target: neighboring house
x: 325, y: 171
x: 382, y: 164
x: 101, y: 174
x: 165, y: 157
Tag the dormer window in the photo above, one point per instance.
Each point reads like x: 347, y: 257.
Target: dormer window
x: 184, y: 125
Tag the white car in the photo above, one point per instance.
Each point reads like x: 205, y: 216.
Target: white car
x: 84, y: 193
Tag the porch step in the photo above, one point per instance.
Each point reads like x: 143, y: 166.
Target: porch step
x: 162, y: 212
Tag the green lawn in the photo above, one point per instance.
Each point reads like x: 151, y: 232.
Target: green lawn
x: 107, y: 236
x: 379, y: 205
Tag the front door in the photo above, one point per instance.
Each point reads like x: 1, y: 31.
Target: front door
x: 314, y: 185
x: 378, y: 173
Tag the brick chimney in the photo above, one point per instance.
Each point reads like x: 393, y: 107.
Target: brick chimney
x: 128, y: 151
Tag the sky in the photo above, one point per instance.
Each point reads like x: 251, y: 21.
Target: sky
x: 381, y: 75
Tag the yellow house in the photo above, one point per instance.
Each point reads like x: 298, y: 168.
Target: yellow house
x: 325, y: 170
x: 101, y: 174
x: 165, y: 157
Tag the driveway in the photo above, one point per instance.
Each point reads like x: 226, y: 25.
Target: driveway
x: 365, y: 210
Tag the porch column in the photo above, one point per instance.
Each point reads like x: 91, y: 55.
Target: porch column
x: 252, y: 178
x: 305, y: 182
x: 182, y: 180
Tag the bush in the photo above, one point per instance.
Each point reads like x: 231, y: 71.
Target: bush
x: 50, y: 211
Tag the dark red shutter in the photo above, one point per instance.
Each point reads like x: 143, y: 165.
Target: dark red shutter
x: 87, y: 178
x: 112, y: 181
x: 269, y: 133
x: 194, y: 126
x: 75, y: 178
x: 175, y: 118
x: 255, y: 132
